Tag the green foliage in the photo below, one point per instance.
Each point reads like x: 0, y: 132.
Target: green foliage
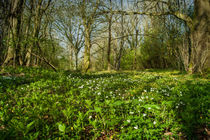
x: 127, y: 60
x: 43, y: 104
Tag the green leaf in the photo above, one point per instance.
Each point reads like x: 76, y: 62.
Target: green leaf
x: 97, y: 109
x: 152, y: 106
x: 62, y: 127
x: 30, y: 124
x: 118, y: 103
x: 88, y: 102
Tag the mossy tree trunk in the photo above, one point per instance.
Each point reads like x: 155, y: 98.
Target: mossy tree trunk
x: 40, y: 6
x: 14, y: 35
x: 37, y: 22
x: 200, y: 37
x: 88, y: 19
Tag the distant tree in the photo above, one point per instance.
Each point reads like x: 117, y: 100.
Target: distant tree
x: 88, y: 14
x: 118, y: 63
x: 70, y: 26
x: 109, y: 65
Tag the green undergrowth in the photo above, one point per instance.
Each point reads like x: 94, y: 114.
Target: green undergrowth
x: 38, y: 103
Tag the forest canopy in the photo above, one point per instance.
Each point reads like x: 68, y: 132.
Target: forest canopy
x: 105, y: 35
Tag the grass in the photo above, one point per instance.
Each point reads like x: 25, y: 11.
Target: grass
x: 37, y: 103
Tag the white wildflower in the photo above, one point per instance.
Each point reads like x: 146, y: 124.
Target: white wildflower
x: 128, y: 121
x: 136, y: 127
x: 7, y: 78
x: 144, y: 114
x: 154, y: 122
x: 131, y: 113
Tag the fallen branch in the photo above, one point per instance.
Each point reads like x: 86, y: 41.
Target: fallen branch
x: 45, y: 60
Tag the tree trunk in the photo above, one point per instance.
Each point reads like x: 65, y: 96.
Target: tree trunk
x: 76, y: 59
x: 102, y: 57
x: 135, y: 52
x: 70, y: 57
x: 14, y: 32
x: 109, y: 41
x: 37, y: 22
x: 200, y: 36
x: 122, y: 40
x: 27, y: 32
x: 39, y: 11
x: 87, y: 64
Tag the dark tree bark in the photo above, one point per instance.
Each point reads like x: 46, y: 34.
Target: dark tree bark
x: 122, y: 40
x: 109, y: 39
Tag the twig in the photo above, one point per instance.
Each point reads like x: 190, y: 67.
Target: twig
x: 45, y: 60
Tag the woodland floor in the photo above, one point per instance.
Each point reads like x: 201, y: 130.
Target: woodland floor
x: 38, y: 103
